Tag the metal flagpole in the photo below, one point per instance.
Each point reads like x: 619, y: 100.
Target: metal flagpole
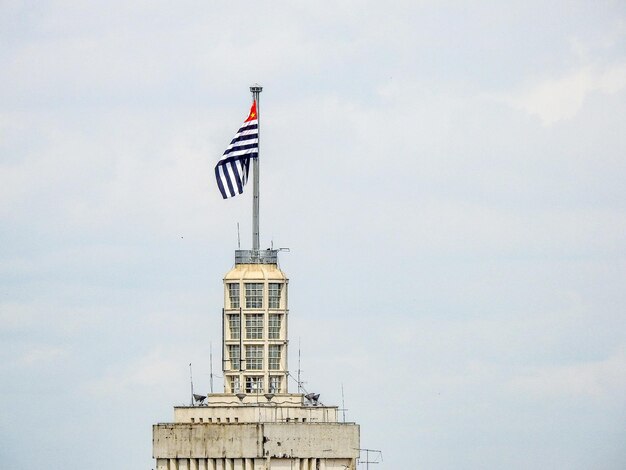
x: 256, y: 90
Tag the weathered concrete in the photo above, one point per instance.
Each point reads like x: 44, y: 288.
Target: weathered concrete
x: 252, y: 441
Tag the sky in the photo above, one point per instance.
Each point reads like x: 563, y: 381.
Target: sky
x: 449, y: 179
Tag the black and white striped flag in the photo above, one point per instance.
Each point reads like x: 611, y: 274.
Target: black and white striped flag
x: 231, y: 172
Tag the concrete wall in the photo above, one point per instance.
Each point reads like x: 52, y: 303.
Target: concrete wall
x: 265, y: 440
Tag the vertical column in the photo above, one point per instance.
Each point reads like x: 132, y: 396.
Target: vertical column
x: 219, y: 464
x: 238, y: 464
x: 193, y: 464
x: 202, y: 464
x: 183, y: 464
x: 210, y: 464
x: 173, y: 464
x: 162, y: 464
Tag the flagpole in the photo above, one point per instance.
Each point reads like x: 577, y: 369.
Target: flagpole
x: 256, y: 90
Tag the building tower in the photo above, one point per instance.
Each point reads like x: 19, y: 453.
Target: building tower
x: 256, y: 424
x: 255, y: 325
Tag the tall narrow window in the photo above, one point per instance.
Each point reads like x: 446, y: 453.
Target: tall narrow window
x: 275, y: 382
x: 274, y: 289
x: 234, y: 353
x: 254, y: 357
x: 254, y: 295
x: 233, y: 294
x: 273, y: 360
x: 274, y: 326
x: 235, y: 386
x: 234, y: 326
x: 254, y: 326
x: 254, y: 384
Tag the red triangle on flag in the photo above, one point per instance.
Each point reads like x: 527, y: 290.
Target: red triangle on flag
x: 252, y: 116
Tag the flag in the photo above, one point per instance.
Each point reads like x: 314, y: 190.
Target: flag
x: 231, y: 172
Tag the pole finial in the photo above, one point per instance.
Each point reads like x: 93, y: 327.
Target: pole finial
x: 256, y: 88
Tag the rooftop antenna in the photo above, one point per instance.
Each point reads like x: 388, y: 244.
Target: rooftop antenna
x: 211, y: 364
x: 367, y: 457
x: 343, y: 405
x: 238, y: 238
x: 256, y: 89
x: 299, y: 370
x: 191, y: 381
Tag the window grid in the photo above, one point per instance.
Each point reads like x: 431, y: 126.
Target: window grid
x: 234, y: 354
x: 254, y: 295
x: 254, y: 357
x: 274, y: 290
x: 273, y: 359
x: 235, y: 385
x: 274, y: 326
x: 254, y: 384
x: 233, y: 294
x: 275, y: 382
x: 234, y: 325
x: 254, y: 326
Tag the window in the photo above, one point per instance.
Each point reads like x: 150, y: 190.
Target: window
x: 235, y: 386
x: 254, y: 295
x: 234, y: 353
x: 234, y: 324
x: 254, y: 326
x: 254, y: 357
x: 273, y: 359
x: 274, y: 326
x: 274, y: 289
x: 233, y: 294
x: 254, y: 384
x: 275, y: 381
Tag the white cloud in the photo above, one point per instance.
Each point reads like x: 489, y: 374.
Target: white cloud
x: 43, y: 355
x: 601, y: 380
x: 561, y: 98
x: 144, y: 373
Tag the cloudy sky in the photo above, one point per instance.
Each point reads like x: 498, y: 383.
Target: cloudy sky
x: 449, y: 179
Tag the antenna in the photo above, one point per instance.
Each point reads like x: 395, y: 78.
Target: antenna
x: 343, y: 405
x: 367, y: 461
x: 238, y: 238
x: 299, y: 370
x: 191, y: 380
x: 211, y: 364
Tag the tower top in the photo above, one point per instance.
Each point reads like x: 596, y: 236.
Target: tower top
x: 256, y: 88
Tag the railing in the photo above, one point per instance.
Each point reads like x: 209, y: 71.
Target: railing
x: 256, y: 257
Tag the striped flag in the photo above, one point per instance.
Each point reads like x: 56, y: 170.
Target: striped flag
x: 231, y: 172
